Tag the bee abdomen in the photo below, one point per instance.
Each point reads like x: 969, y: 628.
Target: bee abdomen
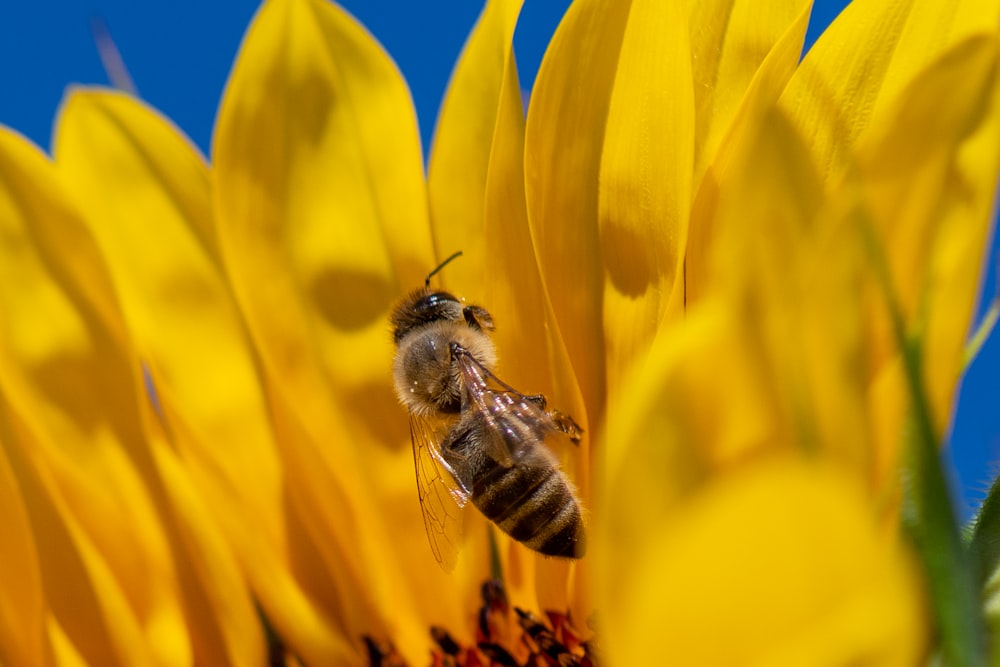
x: 534, y: 505
x: 563, y: 535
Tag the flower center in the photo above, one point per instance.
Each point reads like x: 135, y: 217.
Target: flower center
x: 503, y: 638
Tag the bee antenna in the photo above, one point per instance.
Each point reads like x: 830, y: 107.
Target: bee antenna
x: 427, y: 281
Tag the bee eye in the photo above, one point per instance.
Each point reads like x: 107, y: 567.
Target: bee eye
x: 438, y: 301
x: 437, y: 307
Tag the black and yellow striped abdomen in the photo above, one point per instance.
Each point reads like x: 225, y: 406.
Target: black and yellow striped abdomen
x: 531, y: 501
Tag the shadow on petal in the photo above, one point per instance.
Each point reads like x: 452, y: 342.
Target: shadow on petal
x: 348, y: 299
x: 630, y: 266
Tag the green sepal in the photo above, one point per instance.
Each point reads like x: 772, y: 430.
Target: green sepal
x: 984, y: 548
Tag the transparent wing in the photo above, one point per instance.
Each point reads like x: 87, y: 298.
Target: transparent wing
x: 514, y: 422
x: 442, y: 495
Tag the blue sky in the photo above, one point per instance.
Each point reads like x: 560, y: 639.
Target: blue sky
x: 179, y: 54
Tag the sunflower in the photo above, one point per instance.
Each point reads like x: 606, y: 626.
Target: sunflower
x: 749, y: 278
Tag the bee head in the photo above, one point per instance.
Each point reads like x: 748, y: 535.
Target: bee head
x: 423, y: 307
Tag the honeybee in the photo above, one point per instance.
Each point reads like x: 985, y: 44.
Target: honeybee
x: 474, y: 436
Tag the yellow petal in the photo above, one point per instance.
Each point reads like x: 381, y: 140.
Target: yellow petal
x: 563, y: 139
x: 322, y: 221
x: 219, y: 608
x: 778, y: 563
x: 645, y: 174
x: 693, y: 372
x: 456, y: 172
x: 788, y: 272
x: 665, y: 438
x: 146, y: 193
x: 65, y: 366
x: 793, y: 270
x: 864, y: 59
x: 23, y: 610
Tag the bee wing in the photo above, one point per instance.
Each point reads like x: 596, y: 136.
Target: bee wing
x: 514, y: 422
x: 442, y: 495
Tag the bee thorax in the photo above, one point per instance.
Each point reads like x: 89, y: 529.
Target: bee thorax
x: 426, y: 376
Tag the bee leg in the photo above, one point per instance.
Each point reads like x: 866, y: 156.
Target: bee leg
x: 539, y: 400
x: 567, y: 425
x: 478, y: 318
x: 563, y: 421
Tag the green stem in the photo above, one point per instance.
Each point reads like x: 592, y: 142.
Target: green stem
x: 983, y: 332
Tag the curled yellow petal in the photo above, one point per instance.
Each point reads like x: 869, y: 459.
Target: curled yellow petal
x: 864, y: 59
x: 730, y: 40
x: 927, y: 176
x: 715, y: 161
